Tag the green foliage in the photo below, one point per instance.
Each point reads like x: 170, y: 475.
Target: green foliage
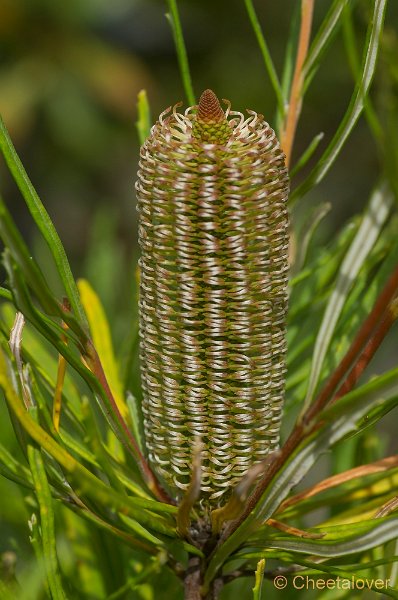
x: 356, y: 105
x: 269, y: 65
x: 96, y: 522
x: 174, y: 19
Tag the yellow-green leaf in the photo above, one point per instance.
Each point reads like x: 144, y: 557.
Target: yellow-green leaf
x: 102, y: 339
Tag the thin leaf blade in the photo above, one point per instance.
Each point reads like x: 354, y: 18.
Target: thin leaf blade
x: 355, y: 107
x: 374, y: 218
x: 42, y: 220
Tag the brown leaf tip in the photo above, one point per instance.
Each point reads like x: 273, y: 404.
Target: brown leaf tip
x: 209, y: 108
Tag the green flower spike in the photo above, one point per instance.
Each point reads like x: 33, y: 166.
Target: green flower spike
x: 212, y: 192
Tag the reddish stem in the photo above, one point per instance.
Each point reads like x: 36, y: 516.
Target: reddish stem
x: 295, y: 101
x: 367, y: 354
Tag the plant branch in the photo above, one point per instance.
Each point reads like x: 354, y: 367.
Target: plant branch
x: 192, y: 579
x: 295, y: 102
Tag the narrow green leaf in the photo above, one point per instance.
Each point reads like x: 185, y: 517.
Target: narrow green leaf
x: 7, y: 458
x: 305, y: 157
x: 35, y: 540
x: 140, y: 530
x: 47, y: 327
x: 323, y: 37
x: 148, y: 573
x: 6, y: 294
x: 42, y: 220
x: 376, y: 269
x: 44, y: 499
x: 39, y: 399
x: 269, y: 65
x: 355, y: 107
x: 355, y: 65
x: 14, y: 242
x: 394, y: 570
x: 133, y: 486
x: 340, y: 540
x: 91, y: 422
x: 259, y: 579
x: 63, y: 437
x: 135, y: 419
x: 45, y: 365
x: 16, y: 246
x: 315, y: 281
x: 144, y: 121
x: 174, y: 19
x: 131, y: 540
x: 372, y: 223
x: 11, y: 476
x: 306, y: 235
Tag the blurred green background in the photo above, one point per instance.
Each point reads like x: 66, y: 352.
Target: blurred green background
x: 70, y: 73
x: 69, y: 77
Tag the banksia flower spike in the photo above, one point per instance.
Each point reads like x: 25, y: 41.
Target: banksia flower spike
x: 212, y: 191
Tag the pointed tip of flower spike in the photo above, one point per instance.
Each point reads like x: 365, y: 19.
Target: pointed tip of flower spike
x: 209, y: 108
x: 211, y: 124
